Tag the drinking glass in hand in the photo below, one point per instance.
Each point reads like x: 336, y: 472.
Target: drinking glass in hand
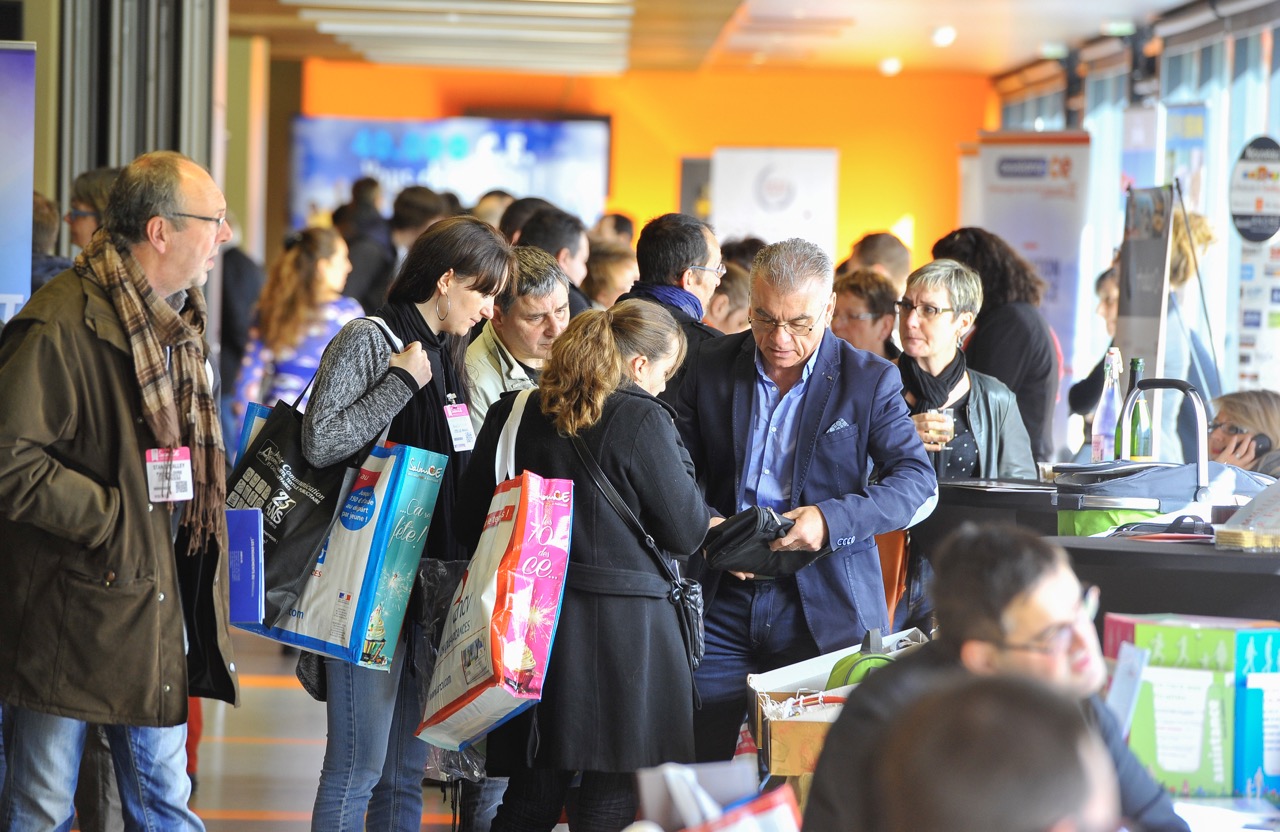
x: 943, y: 433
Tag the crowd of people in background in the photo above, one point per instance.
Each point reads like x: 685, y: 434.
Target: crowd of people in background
x: 707, y: 376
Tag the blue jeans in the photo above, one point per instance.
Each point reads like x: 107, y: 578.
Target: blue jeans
x: 44, y: 760
x: 603, y: 802
x: 480, y: 803
x: 751, y: 627
x: 373, y: 762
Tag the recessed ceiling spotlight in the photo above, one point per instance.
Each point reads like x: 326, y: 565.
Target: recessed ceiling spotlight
x: 890, y: 66
x: 1054, y: 51
x: 944, y: 36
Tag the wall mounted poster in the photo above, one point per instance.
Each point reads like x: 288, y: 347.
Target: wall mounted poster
x: 1255, y: 213
x: 17, y: 174
x: 774, y: 194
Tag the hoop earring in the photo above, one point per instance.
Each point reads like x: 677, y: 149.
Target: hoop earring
x: 446, y: 307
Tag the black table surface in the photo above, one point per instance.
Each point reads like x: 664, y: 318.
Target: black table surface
x: 1138, y: 576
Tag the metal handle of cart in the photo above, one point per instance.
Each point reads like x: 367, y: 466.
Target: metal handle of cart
x: 1202, y: 424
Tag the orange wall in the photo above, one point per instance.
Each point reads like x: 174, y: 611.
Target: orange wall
x: 898, y: 138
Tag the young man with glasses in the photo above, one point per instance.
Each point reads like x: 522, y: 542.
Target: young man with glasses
x: 680, y: 268
x: 1006, y: 602
x: 790, y: 417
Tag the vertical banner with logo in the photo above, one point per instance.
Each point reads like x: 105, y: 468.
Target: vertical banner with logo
x: 1034, y: 194
x: 774, y: 194
x: 17, y: 175
x: 1255, y: 212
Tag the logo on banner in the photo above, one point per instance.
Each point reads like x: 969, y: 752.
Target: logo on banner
x: 774, y: 192
x: 1023, y: 167
x: 1253, y: 318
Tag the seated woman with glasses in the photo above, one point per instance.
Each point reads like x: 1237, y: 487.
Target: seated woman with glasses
x: 1243, y: 428
x: 987, y: 437
x: 865, y: 312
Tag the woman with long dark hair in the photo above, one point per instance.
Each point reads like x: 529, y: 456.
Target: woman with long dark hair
x: 300, y: 311
x: 373, y: 763
x: 1010, y: 340
x: 618, y: 695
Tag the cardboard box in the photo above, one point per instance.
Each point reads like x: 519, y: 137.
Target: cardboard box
x: 1233, y: 661
x: 791, y: 746
x: 1182, y: 730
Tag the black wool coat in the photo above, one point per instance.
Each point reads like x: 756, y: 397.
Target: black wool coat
x: 618, y: 695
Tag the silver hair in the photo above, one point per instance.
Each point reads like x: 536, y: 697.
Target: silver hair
x: 537, y: 276
x: 962, y: 284
x: 789, y: 266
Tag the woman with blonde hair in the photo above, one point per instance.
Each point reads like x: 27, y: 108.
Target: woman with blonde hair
x: 1244, y: 426
x: 299, y: 312
x: 619, y: 691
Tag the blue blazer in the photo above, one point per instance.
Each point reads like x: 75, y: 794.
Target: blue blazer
x: 853, y: 419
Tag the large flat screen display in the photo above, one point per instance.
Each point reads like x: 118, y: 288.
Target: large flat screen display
x: 566, y: 162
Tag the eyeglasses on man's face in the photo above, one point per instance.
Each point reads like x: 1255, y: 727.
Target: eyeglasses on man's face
x: 219, y: 221
x: 76, y: 214
x: 719, y: 270
x: 926, y: 311
x: 1056, y: 639
x: 796, y: 329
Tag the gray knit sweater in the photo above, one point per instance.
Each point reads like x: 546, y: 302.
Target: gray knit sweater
x: 356, y: 395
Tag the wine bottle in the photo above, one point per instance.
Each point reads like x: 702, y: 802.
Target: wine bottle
x: 1139, y: 420
x: 1108, y: 412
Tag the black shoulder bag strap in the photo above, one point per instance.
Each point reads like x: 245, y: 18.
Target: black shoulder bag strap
x: 685, y: 595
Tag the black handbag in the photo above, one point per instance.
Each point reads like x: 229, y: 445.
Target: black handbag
x: 741, y: 544
x: 299, y: 501
x: 686, y: 593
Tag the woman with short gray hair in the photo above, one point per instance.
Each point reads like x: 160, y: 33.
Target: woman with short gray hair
x: 983, y: 436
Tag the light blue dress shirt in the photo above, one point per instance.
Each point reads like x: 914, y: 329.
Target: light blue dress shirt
x: 772, y: 440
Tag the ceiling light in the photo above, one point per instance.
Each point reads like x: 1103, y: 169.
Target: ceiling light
x: 1054, y: 51
x: 944, y: 36
x: 1118, y: 28
x: 890, y: 66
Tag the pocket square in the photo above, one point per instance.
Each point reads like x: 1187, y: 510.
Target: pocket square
x: 839, y: 424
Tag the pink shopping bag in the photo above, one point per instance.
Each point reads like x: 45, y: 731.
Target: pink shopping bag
x: 497, y: 639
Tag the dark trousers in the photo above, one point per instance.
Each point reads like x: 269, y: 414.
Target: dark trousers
x: 915, y: 609
x: 535, y: 798
x: 751, y: 627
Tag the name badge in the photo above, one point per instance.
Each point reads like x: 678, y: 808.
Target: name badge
x: 459, y: 419
x: 169, y: 474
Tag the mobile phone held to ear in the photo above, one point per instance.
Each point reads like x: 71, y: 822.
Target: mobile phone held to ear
x: 1261, y: 445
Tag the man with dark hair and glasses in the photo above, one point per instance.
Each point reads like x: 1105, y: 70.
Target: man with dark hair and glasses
x: 790, y: 417
x: 680, y: 268
x: 1006, y: 602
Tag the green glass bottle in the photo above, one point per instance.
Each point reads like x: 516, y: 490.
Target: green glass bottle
x: 1139, y: 421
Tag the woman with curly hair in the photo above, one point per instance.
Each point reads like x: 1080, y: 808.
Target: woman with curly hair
x: 299, y: 312
x: 1011, y: 340
x: 619, y: 694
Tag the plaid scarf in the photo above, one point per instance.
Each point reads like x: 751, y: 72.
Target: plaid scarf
x: 177, y: 403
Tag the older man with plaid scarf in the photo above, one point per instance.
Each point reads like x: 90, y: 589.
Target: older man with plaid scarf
x: 111, y: 507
